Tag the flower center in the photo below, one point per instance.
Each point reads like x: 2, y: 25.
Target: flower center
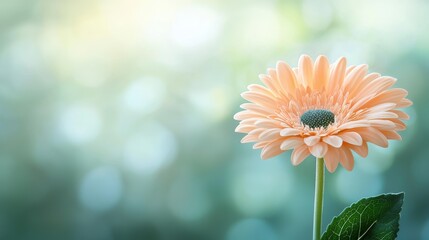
x: 317, y: 118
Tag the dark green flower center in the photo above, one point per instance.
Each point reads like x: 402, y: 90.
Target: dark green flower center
x: 317, y: 118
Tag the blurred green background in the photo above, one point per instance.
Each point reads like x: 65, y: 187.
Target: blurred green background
x: 116, y: 116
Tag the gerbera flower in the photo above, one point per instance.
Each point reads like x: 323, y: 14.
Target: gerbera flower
x: 324, y: 110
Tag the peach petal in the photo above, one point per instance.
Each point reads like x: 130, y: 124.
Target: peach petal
x: 249, y: 138
x: 286, y: 77
x: 360, y: 102
x: 355, y: 124
x: 392, y: 135
x: 361, y: 150
x: 394, y: 94
x: 382, y: 107
x: 270, y: 134
x: 399, y: 125
x: 260, y: 145
x: 249, y: 121
x: 349, y: 69
x: 332, y: 159
x: 382, y: 83
x: 267, y: 123
x: 246, y: 114
x: 404, y: 103
x: 321, y: 72
x: 306, y: 70
x: 346, y: 158
x: 401, y: 114
x: 361, y: 84
x: 377, y: 85
x: 244, y: 128
x: 299, y: 154
x: 334, y: 141
x: 291, y: 143
x: 270, y: 80
x: 260, y: 99
x: 312, y: 140
x: 319, y: 150
x: 388, y: 96
x: 382, y: 124
x: 381, y: 115
x: 337, y: 74
x: 374, y: 135
x: 271, y: 150
x: 256, y: 131
x: 256, y: 109
x: 356, y: 74
x: 260, y: 89
x: 289, y: 132
x: 351, y: 137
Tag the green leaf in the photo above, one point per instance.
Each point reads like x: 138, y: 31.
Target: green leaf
x: 375, y: 218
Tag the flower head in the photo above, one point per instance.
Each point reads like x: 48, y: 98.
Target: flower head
x: 321, y: 109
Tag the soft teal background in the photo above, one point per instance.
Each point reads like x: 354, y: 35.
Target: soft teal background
x: 116, y: 116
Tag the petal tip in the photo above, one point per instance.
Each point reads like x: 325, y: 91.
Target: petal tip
x: 330, y: 170
x: 280, y: 63
x: 342, y: 59
x: 262, y: 76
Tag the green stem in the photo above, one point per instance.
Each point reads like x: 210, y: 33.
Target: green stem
x: 318, y: 198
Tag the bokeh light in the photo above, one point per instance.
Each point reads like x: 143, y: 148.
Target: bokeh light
x: 195, y: 26
x: 149, y: 149
x: 260, y: 188
x: 144, y: 96
x: 80, y: 123
x: 101, y: 189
